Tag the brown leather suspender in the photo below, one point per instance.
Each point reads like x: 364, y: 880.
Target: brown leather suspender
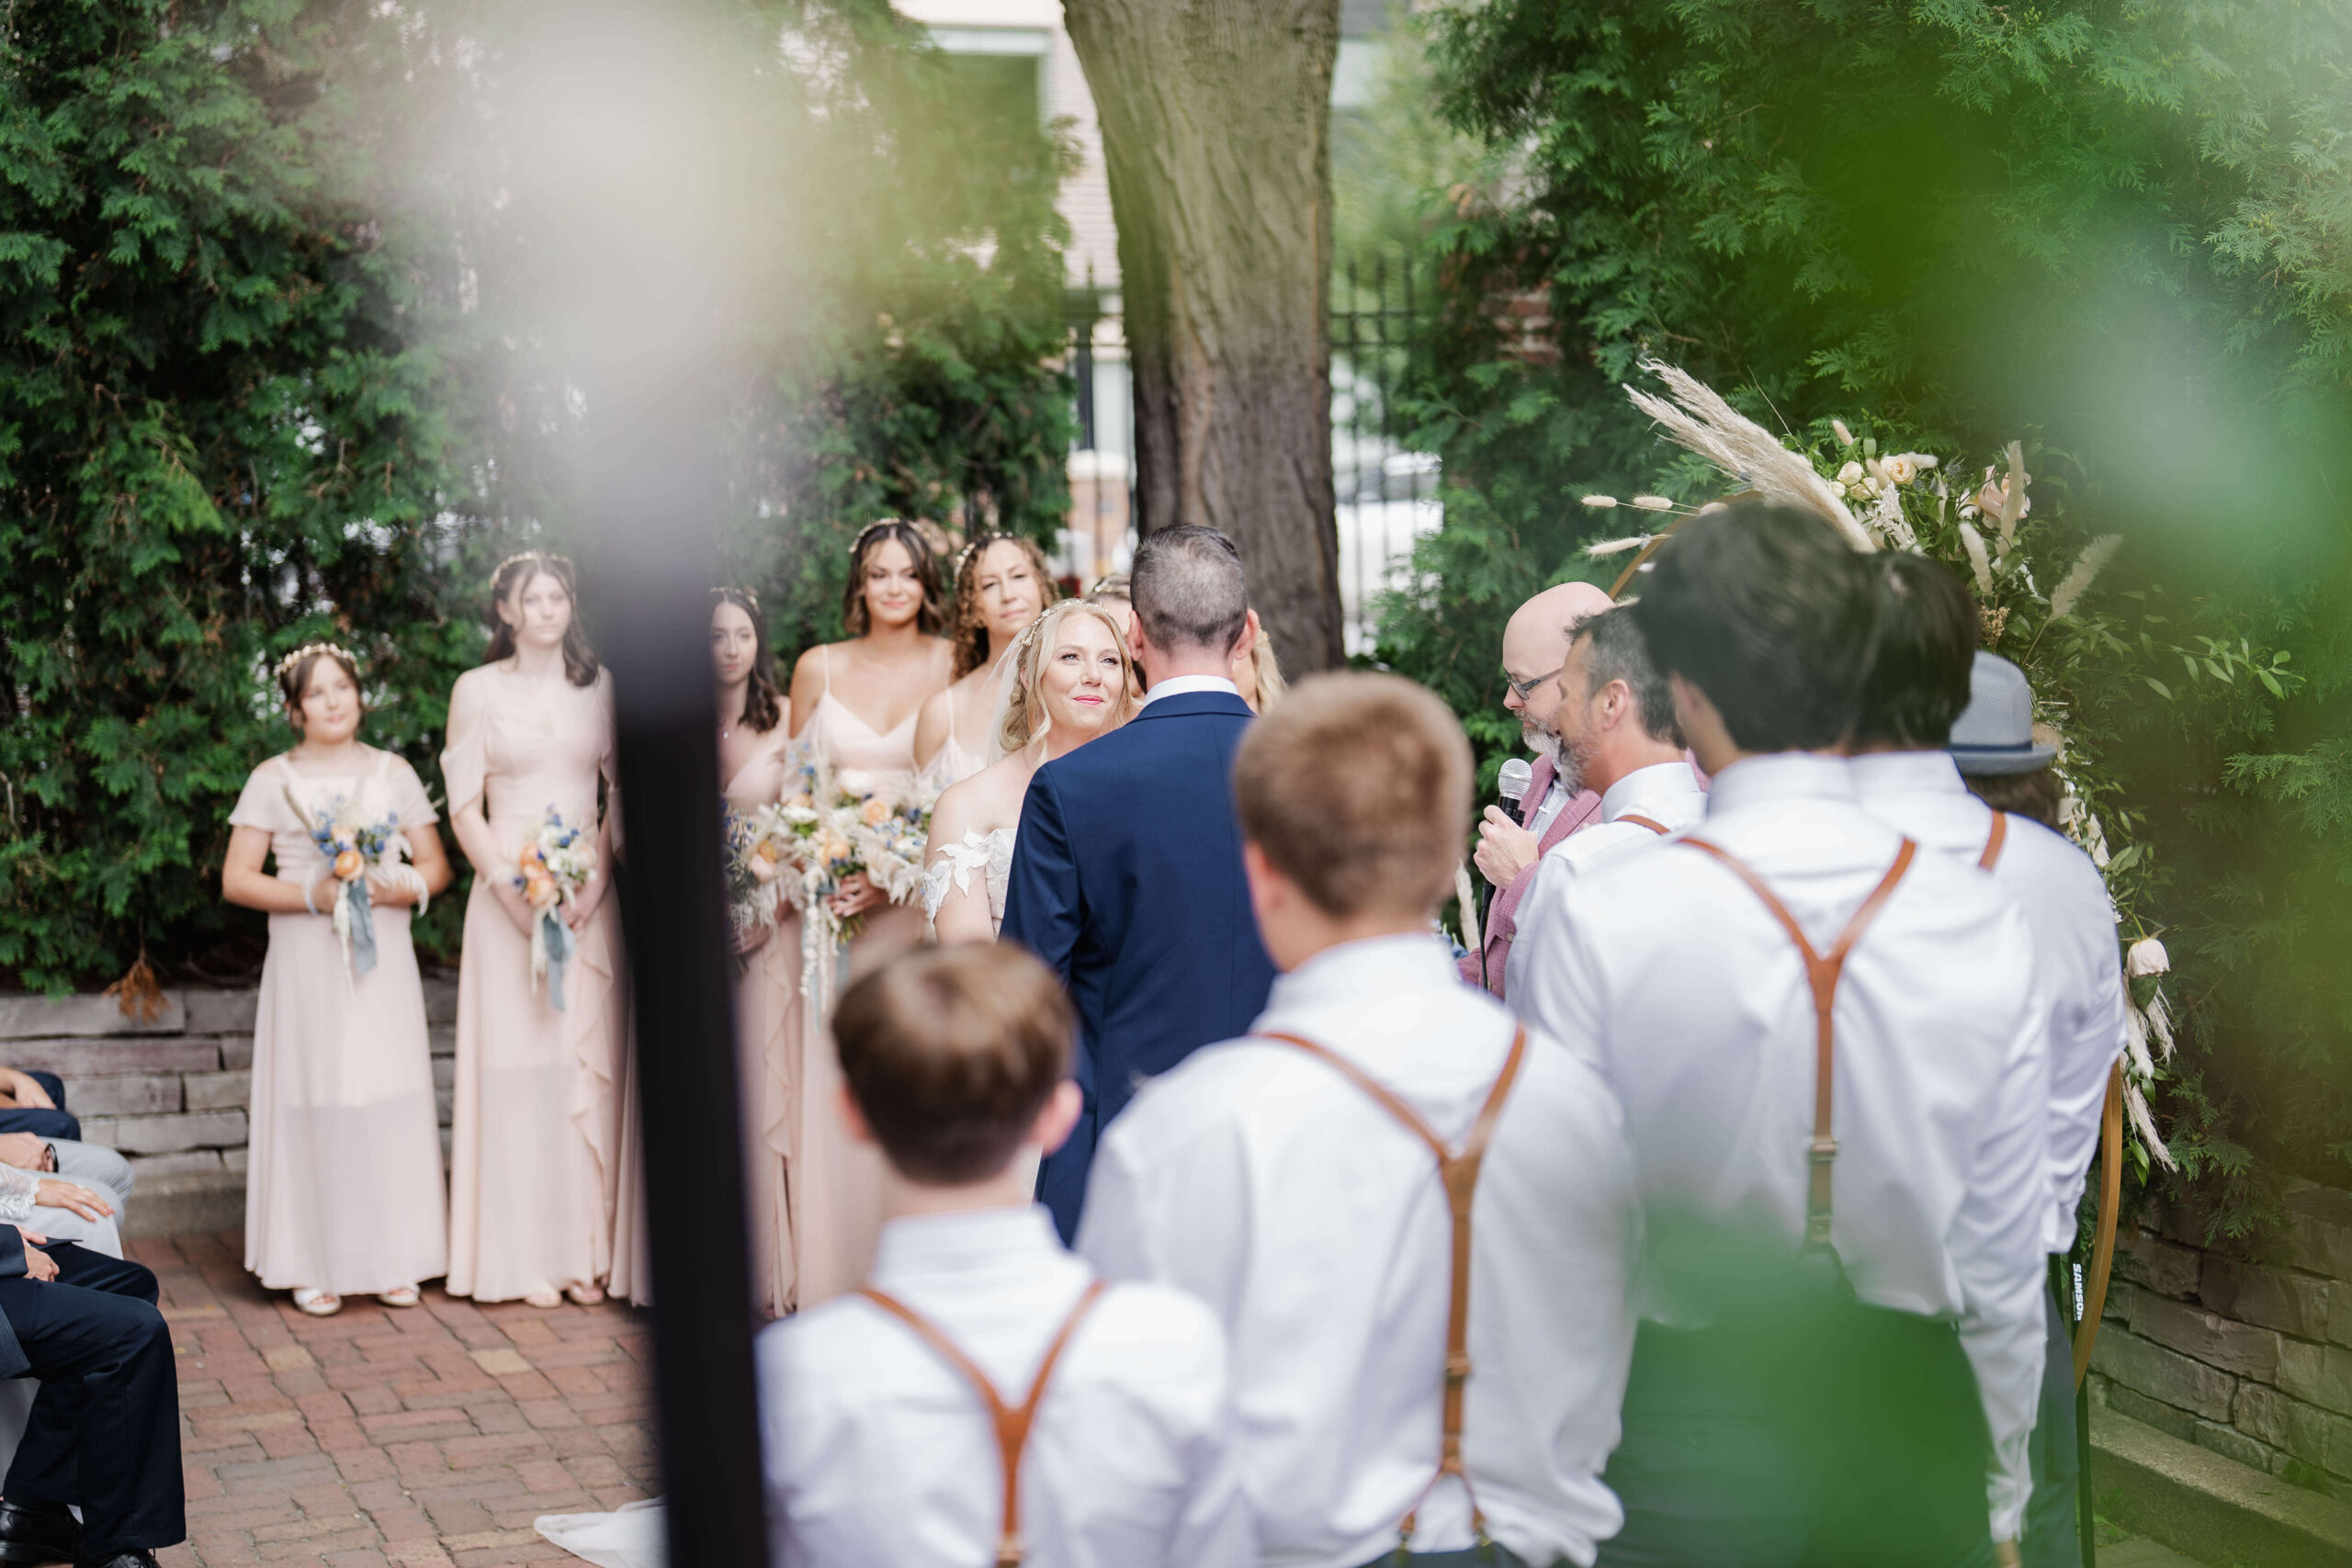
x: 1822, y: 971
x: 1460, y: 1174
x: 1994, y: 840
x: 1012, y: 1422
x: 1660, y: 829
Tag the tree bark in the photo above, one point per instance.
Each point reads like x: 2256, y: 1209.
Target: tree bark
x: 1215, y: 116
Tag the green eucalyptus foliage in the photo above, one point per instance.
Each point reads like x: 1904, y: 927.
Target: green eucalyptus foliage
x: 2123, y: 232
x: 268, y: 377
x: 215, y: 443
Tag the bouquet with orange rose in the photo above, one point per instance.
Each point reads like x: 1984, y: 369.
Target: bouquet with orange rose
x: 555, y: 863
x: 356, y: 847
x: 808, y: 843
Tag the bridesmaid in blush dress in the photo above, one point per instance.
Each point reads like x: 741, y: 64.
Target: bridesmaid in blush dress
x: 755, y: 761
x: 1002, y: 585
x: 343, y: 1195
x: 534, y: 1168
x: 854, y: 704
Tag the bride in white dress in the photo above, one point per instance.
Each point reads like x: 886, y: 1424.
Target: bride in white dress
x: 1071, y: 681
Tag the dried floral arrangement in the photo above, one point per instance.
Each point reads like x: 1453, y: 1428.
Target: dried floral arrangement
x: 1979, y: 519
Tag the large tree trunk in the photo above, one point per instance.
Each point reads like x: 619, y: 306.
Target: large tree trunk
x: 1214, y: 117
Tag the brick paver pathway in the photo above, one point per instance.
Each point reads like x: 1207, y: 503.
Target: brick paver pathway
x: 426, y: 1437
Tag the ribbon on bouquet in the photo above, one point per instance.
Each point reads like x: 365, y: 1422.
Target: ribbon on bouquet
x: 552, y: 948
x: 355, y: 926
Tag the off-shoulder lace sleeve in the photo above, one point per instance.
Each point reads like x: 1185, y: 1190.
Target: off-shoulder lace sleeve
x: 956, y: 861
x: 18, y: 1189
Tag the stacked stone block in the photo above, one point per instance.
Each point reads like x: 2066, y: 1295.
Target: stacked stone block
x: 2243, y: 1347
x: 170, y: 1090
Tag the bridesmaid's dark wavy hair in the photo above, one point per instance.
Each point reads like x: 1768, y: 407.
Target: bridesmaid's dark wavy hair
x: 514, y: 574
x: 761, y: 707
x: 857, y: 621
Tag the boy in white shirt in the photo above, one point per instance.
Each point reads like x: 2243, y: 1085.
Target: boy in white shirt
x: 987, y: 1398
x: 1289, y: 1180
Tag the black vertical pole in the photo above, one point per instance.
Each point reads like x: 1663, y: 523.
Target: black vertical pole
x: 625, y: 114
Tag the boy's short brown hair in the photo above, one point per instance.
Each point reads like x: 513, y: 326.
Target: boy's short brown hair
x: 951, y: 1052
x: 1358, y: 789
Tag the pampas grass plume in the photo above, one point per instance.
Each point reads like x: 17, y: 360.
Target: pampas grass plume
x: 2077, y: 581
x: 1618, y: 546
x: 1979, y: 561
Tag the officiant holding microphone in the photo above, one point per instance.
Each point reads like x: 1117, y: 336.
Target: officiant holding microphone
x: 1554, y: 803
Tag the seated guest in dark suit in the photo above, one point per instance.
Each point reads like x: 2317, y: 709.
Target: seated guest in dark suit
x: 105, y: 1431
x: 1127, y: 871
x: 35, y: 1102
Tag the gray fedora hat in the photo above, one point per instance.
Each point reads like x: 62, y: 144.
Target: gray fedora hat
x: 1994, y: 734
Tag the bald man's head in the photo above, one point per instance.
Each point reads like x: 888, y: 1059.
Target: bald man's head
x: 1535, y: 645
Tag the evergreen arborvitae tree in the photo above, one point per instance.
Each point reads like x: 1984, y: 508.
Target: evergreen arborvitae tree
x: 268, y: 378
x: 214, y: 445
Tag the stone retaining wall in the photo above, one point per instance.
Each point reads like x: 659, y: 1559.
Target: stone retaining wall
x: 171, y: 1092
x: 2244, y: 1349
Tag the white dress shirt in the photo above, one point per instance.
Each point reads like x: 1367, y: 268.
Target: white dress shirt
x: 2072, y: 920
x: 1257, y: 1178
x: 876, y: 1450
x: 1666, y: 792
x: 1184, y: 685
x: 1669, y: 972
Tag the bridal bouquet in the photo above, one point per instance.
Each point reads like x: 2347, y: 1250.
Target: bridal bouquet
x: 357, y: 846
x: 554, y: 864
x: 811, y: 842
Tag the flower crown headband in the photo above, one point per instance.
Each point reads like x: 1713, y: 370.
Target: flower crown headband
x: 286, y: 665
x: 1060, y: 609
x: 872, y: 528
x: 565, y: 561
x: 743, y: 593
x: 964, y: 555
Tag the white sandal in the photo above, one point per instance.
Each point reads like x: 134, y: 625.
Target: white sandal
x: 406, y: 1296
x: 546, y: 1298
x: 585, y: 1295
x: 316, y: 1304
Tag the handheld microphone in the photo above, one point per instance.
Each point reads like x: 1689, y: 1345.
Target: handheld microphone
x: 1511, y: 784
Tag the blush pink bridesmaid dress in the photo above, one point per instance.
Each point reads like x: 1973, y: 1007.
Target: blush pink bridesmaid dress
x: 344, y: 1190
x: 535, y: 1171
x: 836, y: 1186
x: 768, y: 1026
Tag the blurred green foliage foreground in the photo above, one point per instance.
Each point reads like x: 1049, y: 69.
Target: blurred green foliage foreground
x: 266, y: 376
x: 2120, y: 233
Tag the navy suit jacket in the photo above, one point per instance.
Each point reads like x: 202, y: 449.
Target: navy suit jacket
x: 1126, y: 880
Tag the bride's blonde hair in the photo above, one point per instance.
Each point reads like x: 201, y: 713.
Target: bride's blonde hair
x: 1026, y: 718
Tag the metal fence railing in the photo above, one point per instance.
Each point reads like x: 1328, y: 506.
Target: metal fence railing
x: 1387, y: 493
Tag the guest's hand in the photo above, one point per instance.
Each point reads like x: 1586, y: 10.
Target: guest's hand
x: 26, y: 1151
x: 75, y: 1200
x: 25, y: 1090
x: 38, y: 1265
x: 856, y: 897
x: 1505, y: 849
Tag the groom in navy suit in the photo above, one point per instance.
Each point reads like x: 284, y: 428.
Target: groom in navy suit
x: 1127, y: 871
